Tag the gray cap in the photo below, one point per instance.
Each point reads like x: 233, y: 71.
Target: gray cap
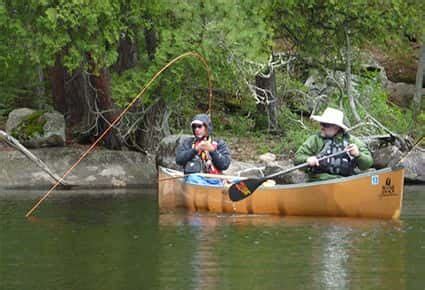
x: 205, y: 119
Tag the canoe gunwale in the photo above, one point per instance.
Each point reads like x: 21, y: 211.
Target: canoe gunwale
x: 304, y: 184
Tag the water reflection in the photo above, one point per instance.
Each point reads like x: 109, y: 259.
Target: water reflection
x: 330, y: 253
x: 334, y: 257
x: 208, y: 220
x: 120, y: 241
x: 79, y: 242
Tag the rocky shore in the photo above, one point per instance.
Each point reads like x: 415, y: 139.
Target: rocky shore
x: 100, y: 169
x: 117, y: 169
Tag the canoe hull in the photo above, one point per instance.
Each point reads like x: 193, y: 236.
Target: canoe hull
x: 377, y: 194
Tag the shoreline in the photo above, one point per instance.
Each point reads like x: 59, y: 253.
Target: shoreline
x: 102, y: 170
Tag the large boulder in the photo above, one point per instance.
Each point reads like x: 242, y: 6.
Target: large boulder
x: 166, y: 155
x: 54, y: 129
x: 245, y: 169
x: 400, y: 93
x: 387, y: 156
x: 293, y: 177
x: 36, y: 129
x: 369, y: 63
x: 100, y: 169
x: 414, y: 164
x: 267, y: 157
x: 16, y: 117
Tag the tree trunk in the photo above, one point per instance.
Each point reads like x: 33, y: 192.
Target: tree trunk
x: 127, y: 55
x: 151, y: 41
x: 63, y: 98
x: 57, y: 79
x: 70, y: 96
x: 348, y: 82
x: 266, y: 90
x: 81, y: 98
x: 106, y: 106
x: 41, y: 91
x: 79, y: 104
x: 153, y: 127
x: 417, y: 99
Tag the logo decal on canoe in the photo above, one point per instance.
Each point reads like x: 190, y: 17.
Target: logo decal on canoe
x: 374, y: 179
x: 388, y: 189
x: 241, y: 186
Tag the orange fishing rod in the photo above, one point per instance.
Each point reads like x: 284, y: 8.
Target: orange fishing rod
x: 190, y: 53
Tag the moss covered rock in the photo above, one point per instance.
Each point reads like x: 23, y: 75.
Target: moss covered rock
x: 35, y: 129
x: 31, y: 126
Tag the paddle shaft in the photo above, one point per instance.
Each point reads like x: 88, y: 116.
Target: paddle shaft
x: 245, y: 188
x: 283, y: 172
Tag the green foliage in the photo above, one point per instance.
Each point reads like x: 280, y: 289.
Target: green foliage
x: 6, y: 103
x: 295, y: 131
x: 319, y: 28
x: 31, y: 126
x: 75, y: 29
x: 419, y: 126
x: 36, y: 34
x: 292, y: 91
x: 221, y: 31
x: 375, y: 99
x: 231, y: 34
x: 237, y: 125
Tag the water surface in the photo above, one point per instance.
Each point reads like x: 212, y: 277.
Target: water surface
x: 116, y: 239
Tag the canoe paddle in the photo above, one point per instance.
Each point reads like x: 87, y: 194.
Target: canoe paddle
x: 244, y: 188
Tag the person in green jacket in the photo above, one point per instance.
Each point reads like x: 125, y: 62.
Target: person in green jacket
x: 333, y: 138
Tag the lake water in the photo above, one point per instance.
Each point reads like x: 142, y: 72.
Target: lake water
x: 116, y: 239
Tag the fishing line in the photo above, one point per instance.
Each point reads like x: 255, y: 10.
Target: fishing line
x: 190, y: 53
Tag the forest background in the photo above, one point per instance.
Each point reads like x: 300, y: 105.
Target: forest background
x: 273, y: 64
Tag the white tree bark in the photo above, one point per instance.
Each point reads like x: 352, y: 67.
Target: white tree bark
x: 41, y: 92
x: 348, y: 82
x: 417, y: 99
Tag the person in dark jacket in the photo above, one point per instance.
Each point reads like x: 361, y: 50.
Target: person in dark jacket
x: 200, y: 153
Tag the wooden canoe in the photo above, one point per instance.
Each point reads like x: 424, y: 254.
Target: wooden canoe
x: 375, y: 194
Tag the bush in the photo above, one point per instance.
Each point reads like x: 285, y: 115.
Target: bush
x: 31, y: 126
x: 293, y: 129
x: 374, y: 99
x: 237, y: 125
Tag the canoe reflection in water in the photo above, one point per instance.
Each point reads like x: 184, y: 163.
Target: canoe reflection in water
x: 330, y: 253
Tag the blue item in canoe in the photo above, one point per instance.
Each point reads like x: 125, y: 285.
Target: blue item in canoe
x: 201, y: 180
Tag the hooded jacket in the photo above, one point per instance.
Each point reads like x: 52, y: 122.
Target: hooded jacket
x: 185, y: 152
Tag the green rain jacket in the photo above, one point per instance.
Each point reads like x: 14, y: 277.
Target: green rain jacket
x: 315, y: 143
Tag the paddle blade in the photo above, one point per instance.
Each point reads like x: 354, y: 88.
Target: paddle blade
x: 244, y: 188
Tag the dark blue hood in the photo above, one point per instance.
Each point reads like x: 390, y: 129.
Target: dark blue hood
x: 204, y: 118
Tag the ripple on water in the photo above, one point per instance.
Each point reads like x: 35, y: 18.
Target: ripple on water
x: 117, y: 240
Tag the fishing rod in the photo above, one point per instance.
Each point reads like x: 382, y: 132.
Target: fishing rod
x: 117, y: 119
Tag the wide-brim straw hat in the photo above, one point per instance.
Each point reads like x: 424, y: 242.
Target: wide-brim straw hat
x: 331, y: 116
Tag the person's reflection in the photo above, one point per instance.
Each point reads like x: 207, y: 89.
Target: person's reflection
x: 201, y: 243
x: 198, y: 244
x: 204, y: 260
x: 334, y: 258
x: 348, y: 250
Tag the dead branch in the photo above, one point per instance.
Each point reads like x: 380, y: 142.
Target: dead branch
x: 18, y: 146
